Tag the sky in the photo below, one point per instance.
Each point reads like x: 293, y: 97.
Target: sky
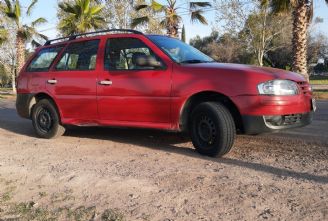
x: 48, y: 10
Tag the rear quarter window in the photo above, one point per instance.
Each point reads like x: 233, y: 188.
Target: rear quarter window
x: 43, y: 60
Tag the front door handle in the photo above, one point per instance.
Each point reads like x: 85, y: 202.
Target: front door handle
x: 52, y: 81
x: 106, y: 82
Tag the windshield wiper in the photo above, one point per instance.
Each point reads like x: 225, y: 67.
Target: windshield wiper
x: 194, y: 61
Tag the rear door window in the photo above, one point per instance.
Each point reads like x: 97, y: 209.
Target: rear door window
x: 44, y: 59
x: 79, y: 56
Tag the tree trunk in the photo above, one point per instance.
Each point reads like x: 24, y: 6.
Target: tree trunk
x: 13, y: 82
x: 7, y: 73
x: 300, y: 25
x: 263, y: 35
x: 260, y: 55
x: 20, y: 47
x: 13, y: 76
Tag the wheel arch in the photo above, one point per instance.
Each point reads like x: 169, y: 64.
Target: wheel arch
x: 206, y: 96
x: 39, y: 96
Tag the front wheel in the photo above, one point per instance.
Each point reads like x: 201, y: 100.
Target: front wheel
x: 212, y: 129
x: 46, y: 120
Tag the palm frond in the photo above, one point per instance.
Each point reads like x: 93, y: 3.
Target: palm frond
x: 139, y: 21
x: 171, y: 3
x: 174, y: 18
x: 25, y: 32
x: 194, y: 5
x: 196, y: 16
x: 9, y: 6
x: 96, y: 9
x: 17, y: 9
x: 30, y: 7
x: 157, y: 6
x: 66, y: 26
x: 66, y: 7
x: 39, y: 21
x: 142, y: 6
x: 31, y: 34
x: 80, y: 16
x: 45, y: 37
x: 10, y: 11
x: 86, y: 6
x: 11, y: 15
x: 35, y: 44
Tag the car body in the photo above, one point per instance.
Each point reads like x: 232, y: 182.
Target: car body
x: 133, y: 80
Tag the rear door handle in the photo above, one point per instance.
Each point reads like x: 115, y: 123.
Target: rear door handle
x: 106, y: 82
x: 52, y: 81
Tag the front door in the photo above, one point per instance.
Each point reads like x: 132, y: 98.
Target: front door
x: 129, y: 94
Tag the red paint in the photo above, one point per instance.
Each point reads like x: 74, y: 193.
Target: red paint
x: 155, y: 98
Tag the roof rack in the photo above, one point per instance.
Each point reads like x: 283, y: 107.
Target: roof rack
x: 73, y: 37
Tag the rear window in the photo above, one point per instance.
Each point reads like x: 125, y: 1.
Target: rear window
x: 44, y: 59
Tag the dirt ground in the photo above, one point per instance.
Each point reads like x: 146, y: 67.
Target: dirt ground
x: 121, y: 174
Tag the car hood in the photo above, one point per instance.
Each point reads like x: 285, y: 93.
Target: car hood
x: 274, y: 73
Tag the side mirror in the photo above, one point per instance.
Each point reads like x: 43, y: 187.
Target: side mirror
x: 142, y: 60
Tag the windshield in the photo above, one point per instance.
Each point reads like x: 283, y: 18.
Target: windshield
x: 178, y: 51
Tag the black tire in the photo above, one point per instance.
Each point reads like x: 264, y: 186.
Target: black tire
x: 46, y: 120
x: 212, y: 129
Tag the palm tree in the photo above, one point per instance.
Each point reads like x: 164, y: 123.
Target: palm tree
x: 80, y: 16
x: 302, y: 11
x: 24, y: 32
x: 3, y: 31
x: 172, y: 11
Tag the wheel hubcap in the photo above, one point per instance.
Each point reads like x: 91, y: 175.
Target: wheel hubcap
x: 44, y: 120
x: 206, y: 130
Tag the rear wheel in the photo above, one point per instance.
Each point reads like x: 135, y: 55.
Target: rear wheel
x: 46, y: 120
x: 212, y: 129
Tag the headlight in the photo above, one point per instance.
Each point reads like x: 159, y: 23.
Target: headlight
x: 278, y: 87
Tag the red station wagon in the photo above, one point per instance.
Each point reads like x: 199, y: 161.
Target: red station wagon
x: 123, y: 78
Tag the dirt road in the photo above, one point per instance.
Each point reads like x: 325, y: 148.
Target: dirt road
x: 117, y: 174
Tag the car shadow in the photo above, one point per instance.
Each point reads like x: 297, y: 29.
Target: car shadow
x: 10, y: 121
x: 153, y: 139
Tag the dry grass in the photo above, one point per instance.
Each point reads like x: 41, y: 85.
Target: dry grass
x: 321, y: 95
x: 323, y: 80
x: 7, y: 96
x: 31, y: 210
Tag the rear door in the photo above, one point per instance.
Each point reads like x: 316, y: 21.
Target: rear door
x: 73, y: 82
x: 130, y: 94
x: 38, y: 69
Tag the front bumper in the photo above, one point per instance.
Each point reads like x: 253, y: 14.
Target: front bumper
x: 262, y: 124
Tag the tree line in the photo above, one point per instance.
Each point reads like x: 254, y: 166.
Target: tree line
x: 252, y: 34
x: 258, y: 32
